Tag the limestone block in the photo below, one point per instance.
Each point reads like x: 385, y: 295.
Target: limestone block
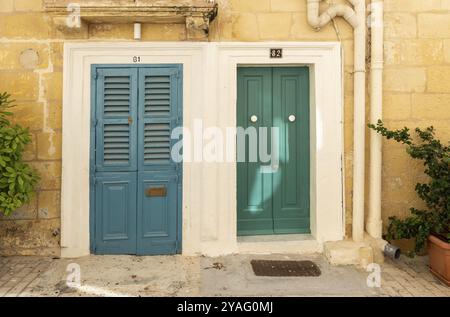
x: 431, y: 106
x: 29, y: 115
x: 438, y: 79
x: 274, y: 25
x: 28, y: 5
x: 49, y: 145
x: 447, y: 51
x: 445, y: 5
x: 400, y: 26
x: 53, y: 85
x: 348, y: 52
x: 396, y: 162
x: 57, y: 56
x: 412, y: 5
x: 245, y: 27
x: 111, y: 31
x: 27, y: 211
x: 54, y: 115
x: 49, y: 205
x: 7, y: 6
x: 25, y: 26
x: 50, y: 173
x: 344, y: 252
x: 366, y: 256
x: 30, y: 237
x: 405, y: 79
x: 163, y: 32
x: 287, y: 5
x: 414, y: 52
x: 22, y: 85
x: 396, y: 106
x: 434, y: 25
x: 250, y: 5
x: 12, y: 53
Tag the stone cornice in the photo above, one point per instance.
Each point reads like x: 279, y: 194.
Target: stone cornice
x: 196, y: 14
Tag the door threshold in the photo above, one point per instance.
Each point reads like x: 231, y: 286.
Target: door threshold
x: 285, y: 243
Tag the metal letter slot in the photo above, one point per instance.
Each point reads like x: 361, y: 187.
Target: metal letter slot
x: 156, y: 192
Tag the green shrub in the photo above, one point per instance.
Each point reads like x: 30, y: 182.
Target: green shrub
x: 17, y: 179
x: 435, y: 219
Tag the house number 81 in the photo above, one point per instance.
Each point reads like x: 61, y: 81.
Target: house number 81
x: 136, y: 59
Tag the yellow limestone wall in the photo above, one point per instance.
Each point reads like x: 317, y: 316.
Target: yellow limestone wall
x: 416, y: 90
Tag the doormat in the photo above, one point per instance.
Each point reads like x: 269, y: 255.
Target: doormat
x: 285, y: 268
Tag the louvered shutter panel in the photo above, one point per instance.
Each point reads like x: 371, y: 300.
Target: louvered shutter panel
x: 159, y: 114
x: 116, y: 126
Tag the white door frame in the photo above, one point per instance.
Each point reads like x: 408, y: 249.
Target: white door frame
x: 209, y: 92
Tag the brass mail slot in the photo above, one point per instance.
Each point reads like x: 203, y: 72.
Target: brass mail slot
x: 156, y: 192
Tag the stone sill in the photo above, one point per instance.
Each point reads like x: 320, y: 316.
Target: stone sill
x: 196, y: 14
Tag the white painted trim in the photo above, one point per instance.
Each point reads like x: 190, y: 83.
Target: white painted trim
x: 209, y: 92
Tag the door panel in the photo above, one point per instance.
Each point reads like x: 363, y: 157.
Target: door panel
x: 254, y: 195
x: 291, y: 181
x: 115, y: 196
x: 157, y: 213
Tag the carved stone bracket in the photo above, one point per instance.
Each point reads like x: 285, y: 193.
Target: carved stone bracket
x: 195, y: 14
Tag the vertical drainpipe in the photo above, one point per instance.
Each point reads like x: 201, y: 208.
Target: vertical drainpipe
x: 356, y: 17
x: 374, y: 223
x: 359, y: 120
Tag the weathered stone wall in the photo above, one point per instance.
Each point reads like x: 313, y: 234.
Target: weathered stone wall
x: 416, y: 88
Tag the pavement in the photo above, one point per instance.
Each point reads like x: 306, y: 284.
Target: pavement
x: 204, y: 276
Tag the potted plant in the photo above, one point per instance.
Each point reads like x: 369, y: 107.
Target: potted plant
x: 432, y: 224
x: 17, y: 178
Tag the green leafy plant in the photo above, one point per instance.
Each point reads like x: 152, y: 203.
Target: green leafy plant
x: 435, y: 219
x: 17, y: 179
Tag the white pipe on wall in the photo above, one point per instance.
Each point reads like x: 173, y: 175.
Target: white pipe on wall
x: 318, y: 21
x: 356, y: 17
x: 374, y: 223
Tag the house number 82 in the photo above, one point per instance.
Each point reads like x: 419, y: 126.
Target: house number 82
x: 276, y: 53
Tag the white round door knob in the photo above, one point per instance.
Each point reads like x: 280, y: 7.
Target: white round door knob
x: 291, y: 118
x: 253, y: 118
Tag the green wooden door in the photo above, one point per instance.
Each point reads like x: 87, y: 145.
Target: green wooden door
x: 274, y: 198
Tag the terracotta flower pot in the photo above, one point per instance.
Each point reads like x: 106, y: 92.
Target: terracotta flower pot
x: 439, y: 255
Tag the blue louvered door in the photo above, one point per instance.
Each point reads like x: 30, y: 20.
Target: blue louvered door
x: 136, y: 191
x: 159, y: 181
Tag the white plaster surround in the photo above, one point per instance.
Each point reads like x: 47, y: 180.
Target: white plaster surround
x: 209, y: 92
